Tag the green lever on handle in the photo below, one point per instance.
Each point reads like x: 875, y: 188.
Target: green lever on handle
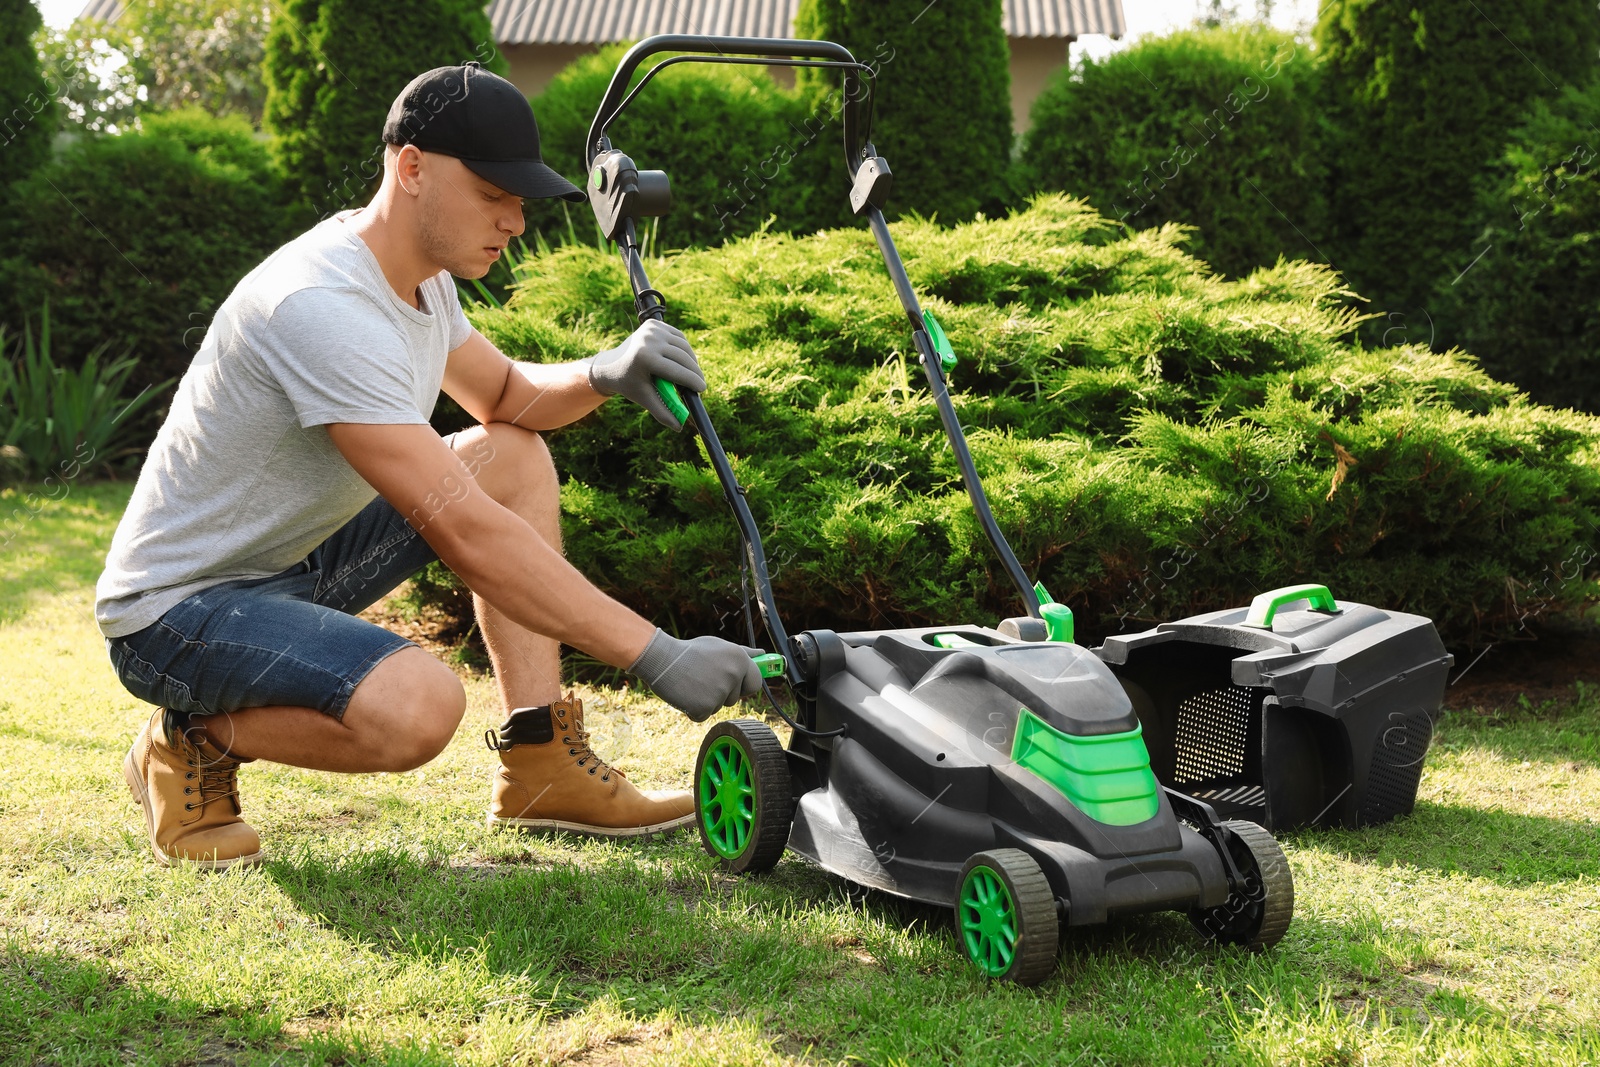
x: 674, y: 402
x: 771, y: 665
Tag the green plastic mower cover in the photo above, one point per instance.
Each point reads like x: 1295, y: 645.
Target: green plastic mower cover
x: 1108, y: 777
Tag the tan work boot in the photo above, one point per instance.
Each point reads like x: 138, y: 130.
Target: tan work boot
x: 550, y: 779
x: 190, y: 795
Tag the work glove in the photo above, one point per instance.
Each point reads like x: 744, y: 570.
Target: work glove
x: 654, y: 350
x: 698, y: 676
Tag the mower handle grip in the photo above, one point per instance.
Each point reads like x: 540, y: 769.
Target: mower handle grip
x: 777, y: 47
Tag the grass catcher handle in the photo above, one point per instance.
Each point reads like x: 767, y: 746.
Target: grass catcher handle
x: 1265, y: 607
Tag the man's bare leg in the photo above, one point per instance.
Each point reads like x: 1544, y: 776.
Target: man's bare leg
x: 401, y: 715
x: 514, y: 467
x: 548, y: 779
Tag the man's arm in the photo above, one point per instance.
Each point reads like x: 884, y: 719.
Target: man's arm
x: 543, y: 396
x: 492, y: 549
x: 537, y: 396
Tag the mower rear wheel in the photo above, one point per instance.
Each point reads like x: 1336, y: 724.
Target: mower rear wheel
x: 1257, y: 914
x: 1006, y: 916
x: 743, y: 796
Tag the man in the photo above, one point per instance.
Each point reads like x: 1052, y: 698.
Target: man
x: 296, y: 481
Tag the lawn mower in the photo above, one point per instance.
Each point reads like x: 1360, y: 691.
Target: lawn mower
x: 1006, y: 772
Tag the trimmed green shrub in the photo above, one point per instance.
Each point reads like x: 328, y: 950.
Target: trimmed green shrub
x: 727, y: 136
x: 1530, y: 307
x: 1419, y: 98
x: 1215, y: 127
x: 1155, y: 440
x: 135, y: 239
x: 943, y: 107
x: 333, y: 67
x: 27, y: 103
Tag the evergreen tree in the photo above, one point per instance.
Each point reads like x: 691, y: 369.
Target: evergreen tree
x: 27, y: 98
x: 333, y: 67
x: 1530, y: 305
x: 1420, y: 95
x: 943, y: 109
x: 1212, y: 127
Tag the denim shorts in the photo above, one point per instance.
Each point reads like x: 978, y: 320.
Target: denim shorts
x: 290, y: 639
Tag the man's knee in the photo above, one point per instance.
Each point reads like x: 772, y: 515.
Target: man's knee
x: 514, y: 467
x: 499, y: 445
x: 407, y: 709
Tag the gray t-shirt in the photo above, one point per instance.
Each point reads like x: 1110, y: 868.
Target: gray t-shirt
x: 243, y: 480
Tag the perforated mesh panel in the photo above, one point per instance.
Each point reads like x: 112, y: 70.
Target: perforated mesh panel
x: 1212, y: 729
x: 1397, y: 766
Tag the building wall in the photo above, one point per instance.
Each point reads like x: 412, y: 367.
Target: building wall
x: 533, y: 65
x: 1033, y: 60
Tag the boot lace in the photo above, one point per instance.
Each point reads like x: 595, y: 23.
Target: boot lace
x: 214, y: 778
x: 577, y: 742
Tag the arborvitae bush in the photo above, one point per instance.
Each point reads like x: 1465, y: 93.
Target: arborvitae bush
x: 1215, y: 127
x: 136, y: 238
x: 943, y: 111
x: 333, y: 67
x: 27, y: 102
x: 728, y: 137
x: 1530, y: 307
x: 1419, y: 98
x: 1155, y: 440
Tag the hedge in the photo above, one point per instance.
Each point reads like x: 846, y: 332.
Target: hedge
x: 135, y: 239
x: 27, y: 97
x: 1212, y: 127
x: 1156, y: 440
x: 1531, y: 305
x: 332, y: 69
x: 1419, y: 97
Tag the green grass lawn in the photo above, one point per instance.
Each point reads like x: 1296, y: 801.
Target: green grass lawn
x: 389, y: 926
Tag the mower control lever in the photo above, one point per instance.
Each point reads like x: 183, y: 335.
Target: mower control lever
x: 771, y: 665
x: 674, y: 402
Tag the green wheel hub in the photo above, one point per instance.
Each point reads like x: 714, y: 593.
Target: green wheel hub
x: 988, y: 921
x: 727, y: 797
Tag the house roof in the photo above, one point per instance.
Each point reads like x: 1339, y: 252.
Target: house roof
x: 605, y: 21
x: 104, y: 10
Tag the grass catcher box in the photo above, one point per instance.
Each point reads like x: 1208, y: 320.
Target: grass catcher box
x: 1319, y: 715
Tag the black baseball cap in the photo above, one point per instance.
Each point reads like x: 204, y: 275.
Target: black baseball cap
x: 484, y: 121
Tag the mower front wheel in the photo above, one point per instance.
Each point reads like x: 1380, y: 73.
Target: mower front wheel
x: 1006, y: 916
x: 743, y: 796
x: 1256, y: 915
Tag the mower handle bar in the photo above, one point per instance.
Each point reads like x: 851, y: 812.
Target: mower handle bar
x: 830, y: 53
x: 648, y: 302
